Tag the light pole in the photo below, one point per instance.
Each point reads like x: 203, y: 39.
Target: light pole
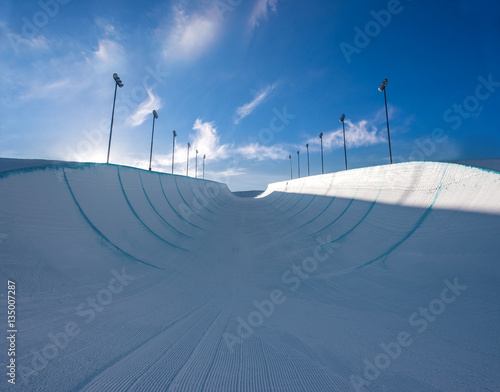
x: 173, y: 151
x: 196, y: 169
x: 321, y: 139
x: 298, y: 162
x: 308, y: 172
x: 118, y: 83
x: 155, y: 116
x: 382, y: 87
x: 187, y: 167
x: 204, y: 156
x: 291, y: 173
x: 342, y: 118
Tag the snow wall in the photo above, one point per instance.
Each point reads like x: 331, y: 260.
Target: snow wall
x: 376, y: 279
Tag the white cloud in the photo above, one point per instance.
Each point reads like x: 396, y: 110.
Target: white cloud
x: 52, y: 89
x: 262, y: 153
x: 229, y: 172
x: 207, y: 141
x: 260, y: 11
x: 153, y: 102
x: 109, y: 30
x: 109, y: 55
x: 204, y: 139
x: 63, y: 75
x: 191, y: 35
x: 108, y: 50
x: 248, y: 108
x: 357, y: 135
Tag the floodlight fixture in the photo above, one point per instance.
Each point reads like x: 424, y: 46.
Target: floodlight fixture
x: 383, y: 85
x: 117, y: 80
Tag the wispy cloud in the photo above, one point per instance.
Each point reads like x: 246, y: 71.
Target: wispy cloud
x: 207, y: 141
x: 191, y: 35
x: 255, y: 151
x: 357, y: 135
x: 153, y: 102
x: 108, y: 50
x: 110, y: 54
x: 54, y: 89
x: 248, y: 108
x: 261, y: 10
x: 229, y: 172
x: 62, y: 73
x: 108, y: 30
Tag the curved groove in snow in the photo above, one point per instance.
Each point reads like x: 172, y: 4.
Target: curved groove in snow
x: 140, y: 220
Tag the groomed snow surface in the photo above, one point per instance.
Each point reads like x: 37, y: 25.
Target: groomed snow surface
x: 376, y: 279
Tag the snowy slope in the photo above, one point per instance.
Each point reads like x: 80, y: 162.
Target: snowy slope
x: 375, y: 279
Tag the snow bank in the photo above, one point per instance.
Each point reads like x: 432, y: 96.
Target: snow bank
x: 414, y: 184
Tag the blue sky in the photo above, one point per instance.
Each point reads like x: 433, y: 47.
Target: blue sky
x: 248, y: 82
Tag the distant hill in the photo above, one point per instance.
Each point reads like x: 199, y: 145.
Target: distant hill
x: 247, y: 193
x: 491, y: 164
